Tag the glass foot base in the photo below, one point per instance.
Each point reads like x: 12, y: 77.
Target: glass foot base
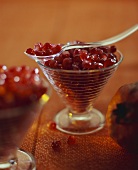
x: 25, y: 161
x: 88, y: 123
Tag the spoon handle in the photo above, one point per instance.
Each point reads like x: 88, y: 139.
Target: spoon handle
x: 108, y: 41
x: 119, y: 36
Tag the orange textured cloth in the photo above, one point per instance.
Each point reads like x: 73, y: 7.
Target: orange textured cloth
x: 90, y: 152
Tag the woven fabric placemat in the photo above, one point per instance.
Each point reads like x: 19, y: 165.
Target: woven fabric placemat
x: 90, y: 152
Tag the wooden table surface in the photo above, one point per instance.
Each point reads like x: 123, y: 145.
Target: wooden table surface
x: 23, y: 23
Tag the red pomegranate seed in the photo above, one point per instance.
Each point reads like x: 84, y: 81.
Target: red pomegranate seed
x: 71, y: 140
x: 65, y: 54
x: 109, y: 62
x: 52, y: 125
x: 103, y: 57
x: 56, y: 49
x: 47, y: 46
x: 94, y: 58
x: 52, y: 63
x: 30, y: 51
x: 48, y: 52
x: 38, y: 47
x: 113, y: 49
x: 83, y: 54
x: 56, y: 145
x: 76, y: 52
x: 96, y: 50
x: 86, y: 64
x: 67, y: 63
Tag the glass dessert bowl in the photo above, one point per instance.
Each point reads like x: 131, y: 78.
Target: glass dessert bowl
x: 22, y: 96
x: 78, y: 76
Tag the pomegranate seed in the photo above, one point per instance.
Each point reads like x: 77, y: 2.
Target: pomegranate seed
x: 65, y: 54
x: 40, y: 53
x: 47, y: 46
x: 67, y: 63
x: 94, y: 58
x: 113, y: 49
x: 109, y: 62
x: 56, y: 49
x: 86, y: 64
x: 48, y: 52
x: 71, y: 140
x: 103, y: 57
x: 52, y: 125
x: 96, y: 51
x: 38, y: 46
x: 30, y: 51
x: 83, y: 54
x: 59, y: 59
x: 52, y: 63
x: 76, y: 52
x: 56, y: 145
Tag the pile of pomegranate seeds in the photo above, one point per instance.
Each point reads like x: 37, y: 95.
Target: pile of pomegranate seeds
x: 84, y: 59
x: 76, y: 59
x: 19, y: 85
x: 44, y: 49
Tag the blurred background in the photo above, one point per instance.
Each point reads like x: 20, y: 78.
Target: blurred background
x: 24, y: 23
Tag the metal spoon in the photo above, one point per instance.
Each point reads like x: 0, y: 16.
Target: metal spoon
x: 108, y: 41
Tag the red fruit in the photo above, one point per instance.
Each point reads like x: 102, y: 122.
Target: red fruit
x: 59, y: 59
x: 71, y: 140
x: 52, y: 125
x: 109, y: 62
x: 65, y: 54
x: 113, y: 49
x: 30, y: 51
x: 48, y: 52
x: 47, y: 46
x: 52, y: 63
x: 56, y: 145
x: 86, y: 64
x: 83, y: 55
x: 56, y: 49
x: 103, y: 57
x: 96, y: 51
x: 67, y: 63
x: 76, y: 52
x: 38, y: 47
x: 94, y: 58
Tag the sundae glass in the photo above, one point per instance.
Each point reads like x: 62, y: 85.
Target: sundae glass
x: 78, y: 76
x: 22, y: 96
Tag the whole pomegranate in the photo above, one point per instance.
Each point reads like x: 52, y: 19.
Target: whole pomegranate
x: 122, y: 117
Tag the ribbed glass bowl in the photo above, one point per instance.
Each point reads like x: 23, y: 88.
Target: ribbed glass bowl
x: 78, y: 90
